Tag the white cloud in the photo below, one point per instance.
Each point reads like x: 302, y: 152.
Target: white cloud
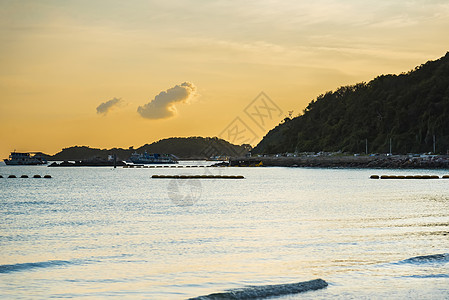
x: 163, y: 105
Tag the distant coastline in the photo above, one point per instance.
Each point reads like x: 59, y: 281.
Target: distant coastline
x: 190, y: 148
x: 312, y: 161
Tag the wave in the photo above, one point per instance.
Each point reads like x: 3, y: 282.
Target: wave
x: 254, y: 292
x: 427, y: 259
x: 33, y: 202
x: 34, y: 265
x: 430, y: 276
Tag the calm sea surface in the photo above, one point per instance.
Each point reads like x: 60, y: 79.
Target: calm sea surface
x: 103, y: 232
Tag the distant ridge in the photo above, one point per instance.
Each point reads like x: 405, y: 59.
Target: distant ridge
x: 410, y: 110
x: 184, y: 148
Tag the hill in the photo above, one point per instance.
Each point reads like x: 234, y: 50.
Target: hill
x: 195, y: 147
x: 184, y: 148
x: 84, y: 153
x: 411, y: 110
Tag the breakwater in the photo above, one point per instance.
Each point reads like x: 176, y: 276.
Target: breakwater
x: 347, y: 161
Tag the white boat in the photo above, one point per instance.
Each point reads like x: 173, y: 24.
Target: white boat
x: 154, y: 158
x: 24, y: 158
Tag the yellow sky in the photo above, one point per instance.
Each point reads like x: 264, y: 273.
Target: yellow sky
x: 59, y: 60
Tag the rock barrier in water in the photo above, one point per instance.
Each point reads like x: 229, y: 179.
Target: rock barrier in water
x: 265, y: 291
x: 199, y: 176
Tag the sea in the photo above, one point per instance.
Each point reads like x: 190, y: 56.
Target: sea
x: 100, y: 232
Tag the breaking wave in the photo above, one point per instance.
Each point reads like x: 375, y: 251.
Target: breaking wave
x: 430, y: 276
x: 255, y: 292
x: 443, y: 258
x: 35, y: 265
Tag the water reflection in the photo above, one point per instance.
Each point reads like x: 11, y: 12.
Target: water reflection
x: 278, y: 225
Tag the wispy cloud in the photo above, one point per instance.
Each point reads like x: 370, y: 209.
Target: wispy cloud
x: 105, y: 107
x: 163, y: 105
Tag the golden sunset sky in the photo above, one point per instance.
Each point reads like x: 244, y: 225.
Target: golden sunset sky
x: 60, y: 60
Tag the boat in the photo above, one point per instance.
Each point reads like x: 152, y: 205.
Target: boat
x: 25, y: 158
x: 153, y: 158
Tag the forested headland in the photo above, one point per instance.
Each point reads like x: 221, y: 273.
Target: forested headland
x: 409, y: 111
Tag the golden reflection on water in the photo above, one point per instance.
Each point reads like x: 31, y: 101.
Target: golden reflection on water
x: 122, y: 235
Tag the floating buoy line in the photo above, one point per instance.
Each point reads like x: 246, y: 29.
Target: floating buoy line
x: 26, y: 176
x: 409, y: 177
x: 199, y: 176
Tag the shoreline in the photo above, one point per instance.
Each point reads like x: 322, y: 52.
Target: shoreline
x: 367, y: 162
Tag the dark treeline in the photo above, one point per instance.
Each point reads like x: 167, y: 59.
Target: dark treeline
x: 411, y: 109
x: 191, y: 147
x: 195, y: 147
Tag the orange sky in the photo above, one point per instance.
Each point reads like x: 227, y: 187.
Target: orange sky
x: 59, y: 60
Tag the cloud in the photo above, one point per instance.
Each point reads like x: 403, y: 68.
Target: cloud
x: 105, y: 107
x: 163, y: 105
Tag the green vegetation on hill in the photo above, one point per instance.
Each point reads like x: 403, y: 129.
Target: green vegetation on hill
x: 410, y: 109
x: 191, y: 147
x: 84, y: 152
x: 195, y: 147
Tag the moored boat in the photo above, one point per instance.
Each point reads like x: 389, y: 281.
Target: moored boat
x: 25, y: 158
x: 154, y: 158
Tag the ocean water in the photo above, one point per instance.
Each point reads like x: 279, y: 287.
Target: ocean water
x: 102, y: 232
